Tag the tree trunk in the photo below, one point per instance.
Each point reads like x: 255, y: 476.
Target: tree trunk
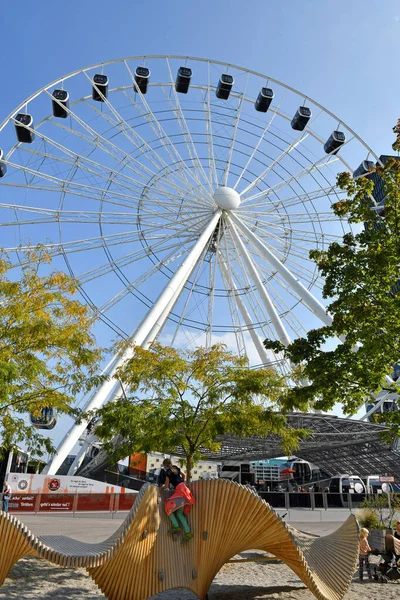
x: 189, y: 465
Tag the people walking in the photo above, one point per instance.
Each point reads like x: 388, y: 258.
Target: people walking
x: 6, y: 496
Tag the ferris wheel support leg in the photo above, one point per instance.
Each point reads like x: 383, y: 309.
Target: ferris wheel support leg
x: 254, y: 274
x: 159, y: 324
x: 109, y: 387
x: 315, y: 306
x: 77, y: 430
x: 116, y: 390
x: 79, y: 458
x: 246, y: 317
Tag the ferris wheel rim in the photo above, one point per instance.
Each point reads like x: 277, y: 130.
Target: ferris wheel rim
x: 194, y: 58
x: 208, y: 88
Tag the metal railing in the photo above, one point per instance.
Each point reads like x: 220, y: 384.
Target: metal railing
x: 312, y: 500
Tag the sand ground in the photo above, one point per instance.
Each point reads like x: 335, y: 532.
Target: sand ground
x: 33, y: 579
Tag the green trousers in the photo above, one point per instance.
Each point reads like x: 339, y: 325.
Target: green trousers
x: 178, y: 515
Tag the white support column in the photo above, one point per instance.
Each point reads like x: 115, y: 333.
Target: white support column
x: 315, y: 306
x: 272, y: 312
x: 109, y: 387
x: 246, y: 317
x: 79, y: 458
x: 77, y: 430
x: 159, y: 324
x: 115, y: 392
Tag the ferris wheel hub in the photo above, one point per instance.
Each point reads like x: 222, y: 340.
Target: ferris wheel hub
x: 226, y: 198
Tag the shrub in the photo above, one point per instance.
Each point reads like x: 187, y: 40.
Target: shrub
x: 369, y: 518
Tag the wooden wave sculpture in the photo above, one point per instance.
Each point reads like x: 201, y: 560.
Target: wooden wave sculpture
x: 140, y: 559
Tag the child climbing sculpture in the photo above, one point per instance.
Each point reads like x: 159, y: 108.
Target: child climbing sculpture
x: 178, y: 504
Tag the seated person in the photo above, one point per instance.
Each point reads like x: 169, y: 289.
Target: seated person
x: 397, y: 537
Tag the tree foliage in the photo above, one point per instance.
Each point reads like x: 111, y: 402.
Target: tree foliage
x: 47, y: 353
x: 186, y: 399
x: 362, y: 276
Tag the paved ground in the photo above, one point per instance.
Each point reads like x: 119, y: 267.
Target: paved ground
x: 97, y: 527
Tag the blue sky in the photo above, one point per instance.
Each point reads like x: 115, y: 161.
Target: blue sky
x: 343, y: 54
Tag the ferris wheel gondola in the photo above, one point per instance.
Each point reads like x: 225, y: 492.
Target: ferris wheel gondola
x: 46, y: 419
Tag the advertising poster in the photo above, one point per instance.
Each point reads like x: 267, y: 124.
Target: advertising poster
x: 24, y: 483
x: 56, y: 502
x: 22, y: 503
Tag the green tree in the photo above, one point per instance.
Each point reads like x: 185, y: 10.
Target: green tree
x: 362, y: 276
x: 47, y: 353
x: 186, y: 399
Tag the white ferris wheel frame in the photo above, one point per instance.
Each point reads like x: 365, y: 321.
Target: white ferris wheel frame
x: 235, y: 226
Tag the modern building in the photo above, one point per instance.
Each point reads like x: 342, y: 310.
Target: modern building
x: 147, y: 466
x: 335, y: 445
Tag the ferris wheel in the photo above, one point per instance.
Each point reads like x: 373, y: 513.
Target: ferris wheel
x: 184, y: 195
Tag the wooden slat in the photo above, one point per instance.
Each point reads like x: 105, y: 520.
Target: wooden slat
x: 140, y: 559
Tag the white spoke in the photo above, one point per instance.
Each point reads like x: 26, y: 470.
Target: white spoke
x: 165, y: 140
x: 137, y: 141
x: 147, y: 153
x: 96, y: 169
x: 211, y: 282
x: 196, y: 274
x: 128, y: 259
x: 297, y: 199
x: 256, y: 147
x: 209, y: 131
x: 135, y: 284
x: 106, y: 146
x: 315, y: 306
x: 234, y: 132
x: 316, y: 166
x: 278, y: 325
x: 191, y: 148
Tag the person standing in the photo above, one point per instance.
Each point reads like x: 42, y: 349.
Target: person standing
x: 397, y: 532
x: 6, y: 496
x: 363, y: 557
x: 177, y: 506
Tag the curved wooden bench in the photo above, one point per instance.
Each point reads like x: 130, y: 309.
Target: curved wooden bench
x: 140, y: 559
